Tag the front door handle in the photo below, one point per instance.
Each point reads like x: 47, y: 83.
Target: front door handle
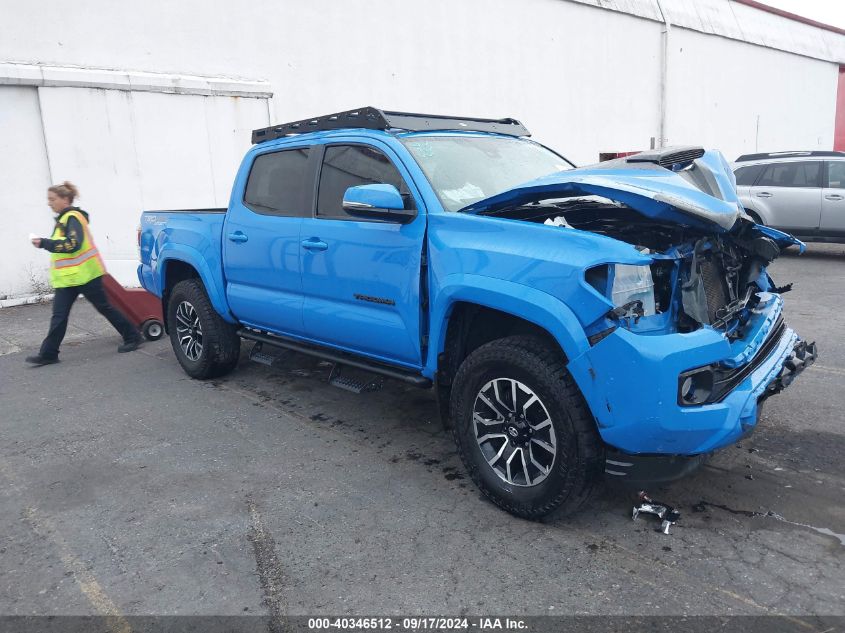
x: 763, y: 194
x: 833, y: 196
x: 314, y: 244
x: 238, y: 236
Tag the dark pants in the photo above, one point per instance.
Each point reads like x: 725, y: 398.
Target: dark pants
x: 62, y: 302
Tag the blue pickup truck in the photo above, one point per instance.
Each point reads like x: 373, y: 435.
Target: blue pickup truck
x: 576, y: 324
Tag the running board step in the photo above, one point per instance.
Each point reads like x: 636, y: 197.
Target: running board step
x: 273, y: 341
x: 268, y: 358
x: 360, y: 381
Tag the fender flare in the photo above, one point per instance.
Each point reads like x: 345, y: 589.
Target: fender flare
x: 534, y: 306
x: 192, y: 257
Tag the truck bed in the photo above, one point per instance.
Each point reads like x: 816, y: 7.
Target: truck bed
x: 186, y: 235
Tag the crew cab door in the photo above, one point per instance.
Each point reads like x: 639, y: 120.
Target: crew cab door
x: 261, y: 250
x: 361, y: 278
x: 833, y: 200
x: 789, y: 195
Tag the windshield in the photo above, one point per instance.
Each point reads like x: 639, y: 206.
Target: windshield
x: 465, y: 169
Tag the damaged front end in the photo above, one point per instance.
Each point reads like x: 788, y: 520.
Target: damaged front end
x: 692, y: 338
x: 691, y: 280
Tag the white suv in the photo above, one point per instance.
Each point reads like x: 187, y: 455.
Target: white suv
x: 802, y: 193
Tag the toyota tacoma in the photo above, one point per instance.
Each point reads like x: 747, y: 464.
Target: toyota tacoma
x: 576, y: 324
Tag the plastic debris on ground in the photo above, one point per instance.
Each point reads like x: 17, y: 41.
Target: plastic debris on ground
x: 666, y: 513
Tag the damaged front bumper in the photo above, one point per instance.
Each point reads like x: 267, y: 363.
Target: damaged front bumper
x: 803, y: 355
x: 632, y: 384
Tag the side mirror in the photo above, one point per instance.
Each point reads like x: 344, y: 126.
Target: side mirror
x: 377, y: 202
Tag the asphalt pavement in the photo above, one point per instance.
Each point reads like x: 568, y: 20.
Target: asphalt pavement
x: 127, y: 488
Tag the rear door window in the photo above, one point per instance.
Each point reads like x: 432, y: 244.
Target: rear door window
x: 347, y: 166
x: 277, y: 184
x: 836, y: 175
x: 797, y: 174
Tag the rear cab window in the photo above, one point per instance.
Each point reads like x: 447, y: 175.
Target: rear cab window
x: 278, y: 184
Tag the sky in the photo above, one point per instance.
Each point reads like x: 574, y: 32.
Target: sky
x: 827, y: 11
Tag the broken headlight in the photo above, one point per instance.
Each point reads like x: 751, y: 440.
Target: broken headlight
x: 629, y: 288
x: 633, y: 284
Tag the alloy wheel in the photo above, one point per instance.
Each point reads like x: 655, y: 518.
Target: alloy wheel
x: 514, y: 432
x: 189, y: 330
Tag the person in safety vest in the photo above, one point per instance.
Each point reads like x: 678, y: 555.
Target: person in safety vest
x: 75, y: 268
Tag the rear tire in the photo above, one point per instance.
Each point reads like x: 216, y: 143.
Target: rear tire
x: 535, y: 467
x: 205, y: 345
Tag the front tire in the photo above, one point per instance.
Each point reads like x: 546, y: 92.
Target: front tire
x: 205, y: 345
x: 523, y: 429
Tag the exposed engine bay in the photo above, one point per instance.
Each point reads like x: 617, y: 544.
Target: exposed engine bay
x: 697, y: 278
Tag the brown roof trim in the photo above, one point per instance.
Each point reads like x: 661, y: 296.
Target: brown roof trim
x: 791, y: 16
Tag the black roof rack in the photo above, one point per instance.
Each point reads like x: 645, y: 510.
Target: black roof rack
x: 375, y: 119
x: 790, y: 154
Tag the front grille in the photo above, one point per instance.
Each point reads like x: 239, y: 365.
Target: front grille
x: 715, y: 287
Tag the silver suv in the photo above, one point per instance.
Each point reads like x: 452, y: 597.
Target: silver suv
x: 802, y: 193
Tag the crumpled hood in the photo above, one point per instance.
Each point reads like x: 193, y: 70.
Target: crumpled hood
x: 703, y: 195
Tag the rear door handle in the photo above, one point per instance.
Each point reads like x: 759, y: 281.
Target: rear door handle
x: 833, y: 196
x: 314, y: 244
x: 238, y: 236
x: 763, y: 194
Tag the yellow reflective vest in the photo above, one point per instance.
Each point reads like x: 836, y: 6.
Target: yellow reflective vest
x: 79, y: 267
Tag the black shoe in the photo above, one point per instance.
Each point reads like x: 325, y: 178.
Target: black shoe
x: 130, y: 346
x: 40, y: 360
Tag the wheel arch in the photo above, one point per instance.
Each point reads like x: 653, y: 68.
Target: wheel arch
x: 185, y: 264
x: 472, y: 312
x: 758, y: 219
